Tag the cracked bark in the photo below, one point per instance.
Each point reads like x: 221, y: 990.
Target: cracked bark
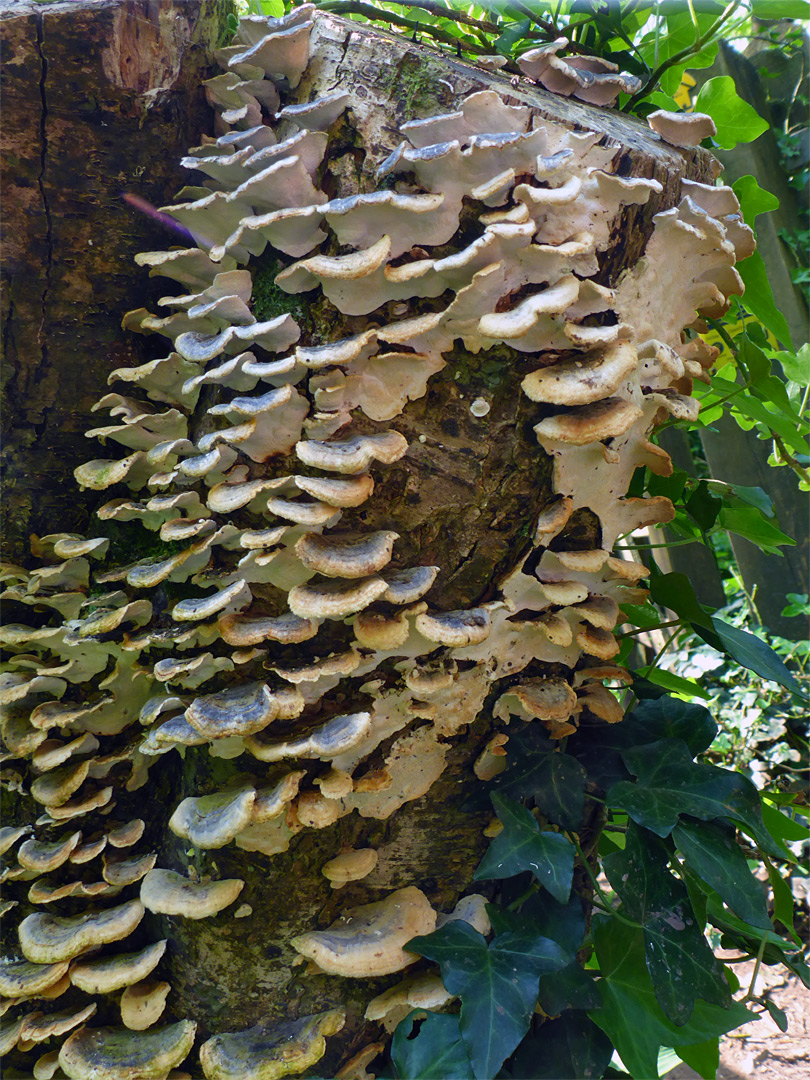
x: 90, y: 93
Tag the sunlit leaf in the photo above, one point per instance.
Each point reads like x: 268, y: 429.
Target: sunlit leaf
x: 758, y: 297
x: 630, y: 1014
x: 753, y: 199
x: 736, y: 121
x: 703, y: 1057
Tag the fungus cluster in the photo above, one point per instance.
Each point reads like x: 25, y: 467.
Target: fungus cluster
x: 297, y: 638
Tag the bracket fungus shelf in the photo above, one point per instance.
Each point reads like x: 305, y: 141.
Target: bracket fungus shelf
x: 371, y: 496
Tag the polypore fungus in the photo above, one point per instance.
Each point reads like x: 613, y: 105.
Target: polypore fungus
x: 329, y: 580
x: 369, y: 941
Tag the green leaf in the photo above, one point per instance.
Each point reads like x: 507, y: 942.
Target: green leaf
x: 779, y: 1016
x: 437, y: 1050
x: 675, y: 684
x: 704, y: 506
x: 781, y: 827
x: 670, y: 784
x: 274, y: 9
x: 796, y: 366
x: 497, y: 985
x: 752, y: 653
x: 780, y: 9
x: 753, y: 199
x: 703, y: 1057
x: 567, y: 1048
x: 570, y: 988
x: 759, y: 299
x: 522, y: 846
x: 681, y: 965
x: 630, y: 1014
x: 711, y: 851
x: 675, y: 591
x: 736, y: 121
x: 555, y: 781
x: 749, y: 523
x: 669, y: 718
x: 782, y: 899
x: 541, y: 914
x: 743, y: 935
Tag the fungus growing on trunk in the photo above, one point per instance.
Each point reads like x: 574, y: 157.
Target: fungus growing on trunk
x: 365, y: 517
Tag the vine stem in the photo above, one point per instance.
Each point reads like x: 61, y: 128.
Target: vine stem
x: 646, y: 629
x: 701, y: 41
x: 604, y: 903
x: 755, y: 976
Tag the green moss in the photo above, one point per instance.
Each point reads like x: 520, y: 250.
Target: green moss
x: 268, y: 300
x: 130, y: 541
x: 484, y: 370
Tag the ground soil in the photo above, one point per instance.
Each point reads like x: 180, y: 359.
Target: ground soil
x: 760, y: 1049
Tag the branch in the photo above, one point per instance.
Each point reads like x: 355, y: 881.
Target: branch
x: 789, y: 459
x: 373, y: 14
x: 700, y: 42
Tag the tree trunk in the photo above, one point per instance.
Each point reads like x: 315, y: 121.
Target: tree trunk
x: 99, y: 99
x: 526, y: 591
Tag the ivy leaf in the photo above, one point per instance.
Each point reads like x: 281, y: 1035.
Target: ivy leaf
x: 567, y: 1048
x: 555, y: 781
x: 736, y: 121
x: 703, y: 1057
x: 753, y: 199
x: 437, y: 1049
x: 571, y: 988
x: 630, y: 1014
x: 497, y: 984
x: 780, y: 9
x: 669, y: 718
x: 704, y: 506
x: 541, y: 914
x: 682, y: 966
x: 522, y: 846
x: 749, y: 523
x: 779, y: 1016
x: 782, y: 899
x: 670, y: 784
x: 759, y: 298
x: 712, y: 852
x: 796, y: 366
x: 752, y: 653
x: 675, y: 591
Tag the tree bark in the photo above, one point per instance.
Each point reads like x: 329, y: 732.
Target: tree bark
x: 466, y: 497
x: 99, y: 99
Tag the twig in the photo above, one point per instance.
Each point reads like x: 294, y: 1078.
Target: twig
x: 373, y: 14
x: 789, y: 459
x: 683, y: 54
x: 604, y: 905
